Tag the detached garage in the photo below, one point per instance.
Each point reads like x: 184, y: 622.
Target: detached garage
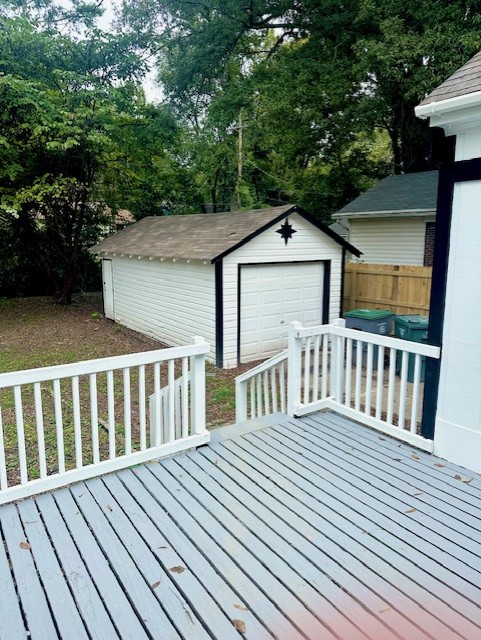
x: 236, y: 279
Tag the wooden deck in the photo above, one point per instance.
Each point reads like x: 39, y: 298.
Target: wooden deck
x: 314, y: 528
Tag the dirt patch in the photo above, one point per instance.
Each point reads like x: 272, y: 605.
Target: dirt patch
x: 34, y: 332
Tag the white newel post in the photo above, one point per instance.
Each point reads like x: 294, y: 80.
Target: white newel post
x: 240, y: 401
x: 197, y: 369
x: 294, y: 365
x: 337, y: 363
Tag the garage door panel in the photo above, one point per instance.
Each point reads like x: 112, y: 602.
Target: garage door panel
x: 271, y: 297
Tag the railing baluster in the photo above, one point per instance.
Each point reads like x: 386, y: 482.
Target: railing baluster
x: 127, y: 412
x: 185, y: 397
x: 94, y: 418
x: 348, y: 376
x: 57, y: 399
x: 274, y: 390
x: 415, y: 391
x: 307, y: 370
x: 380, y: 382
x: 325, y: 353
x: 282, y: 386
x: 391, y: 385
x: 3, y: 462
x: 42, y: 461
x: 111, y: 413
x: 142, y: 409
x: 369, y: 368
x: 357, y: 393
x: 266, y: 393
x: 22, y: 453
x: 171, y: 394
x: 77, y: 427
x: 155, y: 429
x: 315, y: 369
x: 252, y: 398
x: 403, y: 390
x: 259, y: 395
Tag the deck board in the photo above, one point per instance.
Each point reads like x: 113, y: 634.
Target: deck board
x: 296, y: 529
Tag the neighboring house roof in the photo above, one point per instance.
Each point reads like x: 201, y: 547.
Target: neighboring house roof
x: 340, y: 228
x: 465, y: 80
x: 201, y: 236
x: 407, y: 194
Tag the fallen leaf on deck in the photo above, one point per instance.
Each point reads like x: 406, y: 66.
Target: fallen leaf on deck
x: 438, y: 464
x: 177, y: 569
x: 239, y: 625
x: 411, y: 510
x: 162, y: 547
x: 384, y: 439
x: 241, y: 607
x: 414, y: 456
x: 419, y: 494
x: 384, y: 610
x: 25, y: 545
x: 109, y: 507
x: 461, y: 479
x: 155, y: 585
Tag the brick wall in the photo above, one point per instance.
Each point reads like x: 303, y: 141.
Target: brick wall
x: 429, y: 244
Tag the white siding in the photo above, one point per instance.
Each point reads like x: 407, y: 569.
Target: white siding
x: 458, y: 420
x: 308, y: 243
x: 390, y: 241
x: 169, y: 301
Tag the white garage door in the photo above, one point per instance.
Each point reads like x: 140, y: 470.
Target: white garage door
x: 273, y: 295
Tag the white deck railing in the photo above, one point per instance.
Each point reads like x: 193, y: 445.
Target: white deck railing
x: 71, y: 422
x: 376, y: 380
x: 263, y: 389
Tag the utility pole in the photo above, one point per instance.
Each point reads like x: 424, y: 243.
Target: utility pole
x: 239, y: 164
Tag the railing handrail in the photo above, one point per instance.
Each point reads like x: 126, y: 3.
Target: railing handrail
x: 263, y: 366
x: 100, y: 365
x: 382, y: 341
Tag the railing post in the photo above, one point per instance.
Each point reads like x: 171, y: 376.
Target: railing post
x: 337, y: 363
x: 197, y: 381
x: 240, y: 401
x: 294, y: 366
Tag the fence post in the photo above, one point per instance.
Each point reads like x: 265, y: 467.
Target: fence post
x: 294, y: 365
x: 337, y: 363
x: 197, y: 394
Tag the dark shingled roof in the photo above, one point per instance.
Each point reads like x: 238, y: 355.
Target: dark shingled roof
x: 465, y: 80
x: 201, y: 236
x: 408, y: 193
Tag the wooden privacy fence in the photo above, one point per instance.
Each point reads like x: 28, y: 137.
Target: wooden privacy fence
x: 400, y: 288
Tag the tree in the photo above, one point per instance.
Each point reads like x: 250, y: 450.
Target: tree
x: 368, y: 62
x: 61, y: 100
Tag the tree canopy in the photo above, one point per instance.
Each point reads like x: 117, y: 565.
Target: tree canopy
x: 262, y: 102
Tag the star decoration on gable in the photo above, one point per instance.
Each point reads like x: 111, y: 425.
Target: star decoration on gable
x: 286, y: 231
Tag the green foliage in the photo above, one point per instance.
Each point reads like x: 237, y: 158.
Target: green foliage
x: 321, y: 84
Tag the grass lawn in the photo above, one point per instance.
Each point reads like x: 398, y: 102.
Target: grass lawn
x: 36, y: 333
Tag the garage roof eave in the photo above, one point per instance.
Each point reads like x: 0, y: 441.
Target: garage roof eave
x: 294, y: 209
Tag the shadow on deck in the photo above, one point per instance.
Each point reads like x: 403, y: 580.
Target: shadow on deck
x: 284, y: 528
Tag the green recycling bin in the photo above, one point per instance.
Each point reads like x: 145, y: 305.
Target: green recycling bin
x: 415, y: 329
x: 377, y: 321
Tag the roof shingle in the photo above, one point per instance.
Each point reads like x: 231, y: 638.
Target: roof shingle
x: 410, y: 192
x: 465, y: 80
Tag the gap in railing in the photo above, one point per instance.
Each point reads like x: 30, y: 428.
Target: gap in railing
x: 111, y: 419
